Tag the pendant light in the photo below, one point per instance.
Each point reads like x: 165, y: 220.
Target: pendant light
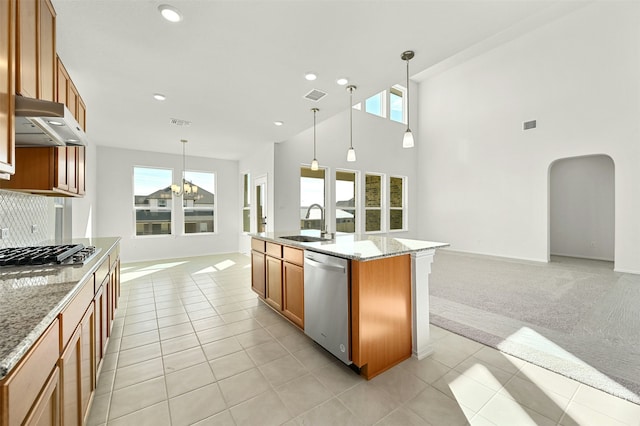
x: 407, y: 140
x: 351, y: 153
x: 185, y: 188
x: 314, y: 163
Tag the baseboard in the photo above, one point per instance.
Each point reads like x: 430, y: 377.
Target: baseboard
x: 468, y: 252
x: 581, y: 257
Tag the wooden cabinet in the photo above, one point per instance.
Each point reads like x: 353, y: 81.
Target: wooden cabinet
x: 36, y: 49
x: 258, y: 275
x: 46, y: 410
x: 67, y: 94
x: 293, y: 293
x: 7, y: 87
x: 277, y: 275
x: 23, y: 393
x: 58, y: 171
x: 274, y: 282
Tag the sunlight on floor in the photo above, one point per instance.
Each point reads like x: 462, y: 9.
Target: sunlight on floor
x: 207, y: 270
x: 225, y: 264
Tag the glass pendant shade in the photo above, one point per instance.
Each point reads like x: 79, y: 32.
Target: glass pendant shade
x: 314, y: 165
x: 351, y: 155
x: 407, y: 140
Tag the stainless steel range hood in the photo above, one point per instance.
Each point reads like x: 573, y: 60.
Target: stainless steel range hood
x: 46, y: 123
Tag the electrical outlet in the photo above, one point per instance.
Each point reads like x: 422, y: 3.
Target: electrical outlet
x: 4, y: 233
x: 34, y: 229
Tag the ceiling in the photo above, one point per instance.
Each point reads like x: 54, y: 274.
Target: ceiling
x: 232, y: 68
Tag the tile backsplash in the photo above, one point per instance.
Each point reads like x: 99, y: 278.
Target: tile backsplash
x: 19, y: 213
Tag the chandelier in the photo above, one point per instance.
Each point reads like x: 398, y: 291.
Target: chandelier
x: 185, y: 188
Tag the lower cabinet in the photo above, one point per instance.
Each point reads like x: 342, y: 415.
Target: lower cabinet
x: 278, y: 278
x: 293, y: 289
x: 45, y: 411
x: 274, y: 282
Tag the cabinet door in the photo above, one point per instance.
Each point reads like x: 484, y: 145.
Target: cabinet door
x: 72, y: 169
x: 100, y: 331
x: 82, y: 114
x: 274, y: 282
x: 46, y: 51
x: 46, y: 409
x: 62, y: 82
x: 87, y: 361
x: 60, y: 168
x: 258, y: 277
x: 70, y: 365
x: 7, y: 86
x: 27, y: 49
x: 80, y: 169
x: 293, y: 289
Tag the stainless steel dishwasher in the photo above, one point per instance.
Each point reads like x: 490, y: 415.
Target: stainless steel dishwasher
x: 326, y: 302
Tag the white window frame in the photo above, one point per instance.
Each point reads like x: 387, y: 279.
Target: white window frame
x: 172, y: 220
x: 327, y: 193
x: 402, y: 89
x: 246, y: 191
x: 405, y: 225
x: 382, y: 208
x: 357, y: 209
x: 383, y: 94
x: 215, y: 207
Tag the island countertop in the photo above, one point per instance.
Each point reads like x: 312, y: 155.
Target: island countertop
x: 353, y: 246
x: 31, y: 297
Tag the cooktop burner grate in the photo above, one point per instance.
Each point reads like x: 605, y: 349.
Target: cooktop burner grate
x: 67, y: 254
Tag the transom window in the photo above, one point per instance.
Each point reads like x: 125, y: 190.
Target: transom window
x: 376, y: 104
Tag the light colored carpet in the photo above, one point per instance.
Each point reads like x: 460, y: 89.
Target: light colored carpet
x: 572, y: 316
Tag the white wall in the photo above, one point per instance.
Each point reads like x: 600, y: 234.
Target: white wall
x: 115, y: 205
x: 582, y: 207
x: 258, y: 165
x: 484, y: 181
x: 378, y: 145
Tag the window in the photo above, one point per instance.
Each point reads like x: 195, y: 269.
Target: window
x: 376, y: 104
x: 311, y: 196
x: 246, y: 206
x: 373, y: 203
x: 346, y: 201
x: 199, y: 206
x: 396, y: 203
x: 396, y: 104
x: 152, y: 200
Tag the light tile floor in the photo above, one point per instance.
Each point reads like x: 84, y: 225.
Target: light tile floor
x: 192, y: 344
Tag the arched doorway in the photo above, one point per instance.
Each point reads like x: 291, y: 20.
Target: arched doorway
x: 581, y: 207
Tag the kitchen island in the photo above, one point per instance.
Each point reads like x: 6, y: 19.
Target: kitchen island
x: 388, y: 290
x: 55, y: 322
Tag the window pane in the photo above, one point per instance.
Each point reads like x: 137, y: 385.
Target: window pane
x: 375, y: 104
x: 247, y: 190
x: 152, y: 200
x: 246, y: 220
x: 198, y: 202
x: 395, y: 219
x: 311, y: 194
x: 396, y: 193
x: 373, y: 189
x: 372, y: 220
x: 396, y: 104
x: 246, y: 209
x: 345, y: 201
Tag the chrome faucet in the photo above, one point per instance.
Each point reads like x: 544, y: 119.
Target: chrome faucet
x: 323, y: 228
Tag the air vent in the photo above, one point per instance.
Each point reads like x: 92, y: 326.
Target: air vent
x: 178, y: 122
x: 529, y: 125
x: 315, y: 95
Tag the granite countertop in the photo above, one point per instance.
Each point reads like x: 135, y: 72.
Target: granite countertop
x: 31, y: 297
x: 353, y: 246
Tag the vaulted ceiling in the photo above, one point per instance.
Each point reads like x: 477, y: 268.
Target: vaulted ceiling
x: 232, y: 68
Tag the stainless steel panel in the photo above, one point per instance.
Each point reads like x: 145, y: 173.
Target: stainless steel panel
x: 326, y: 302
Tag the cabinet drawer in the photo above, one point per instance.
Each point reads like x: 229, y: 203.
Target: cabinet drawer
x: 73, y: 312
x: 274, y: 250
x: 101, y: 273
x: 293, y: 255
x: 257, y: 245
x: 24, y: 383
x: 113, y: 256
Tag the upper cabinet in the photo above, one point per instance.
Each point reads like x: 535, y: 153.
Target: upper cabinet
x: 68, y: 94
x: 7, y: 87
x: 36, y: 49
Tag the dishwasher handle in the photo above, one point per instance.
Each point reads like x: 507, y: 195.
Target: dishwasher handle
x: 326, y: 266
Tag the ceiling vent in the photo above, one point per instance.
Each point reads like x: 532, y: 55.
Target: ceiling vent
x: 315, y: 95
x: 178, y: 122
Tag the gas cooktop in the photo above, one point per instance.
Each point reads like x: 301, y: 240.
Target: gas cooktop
x: 66, y: 254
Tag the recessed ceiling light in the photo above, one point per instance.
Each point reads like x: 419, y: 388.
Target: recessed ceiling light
x: 310, y: 76
x: 342, y: 81
x: 278, y: 123
x: 159, y: 97
x: 170, y: 13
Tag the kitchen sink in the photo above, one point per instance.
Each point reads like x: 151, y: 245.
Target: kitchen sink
x: 303, y: 238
